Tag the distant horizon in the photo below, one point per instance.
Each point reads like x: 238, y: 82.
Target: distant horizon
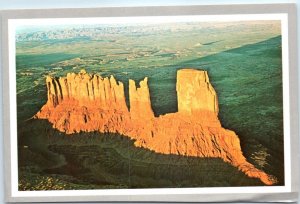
x: 35, y: 24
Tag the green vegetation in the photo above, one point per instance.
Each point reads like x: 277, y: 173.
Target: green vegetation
x: 32, y: 60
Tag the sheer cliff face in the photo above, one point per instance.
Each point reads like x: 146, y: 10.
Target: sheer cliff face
x: 83, y: 88
x: 191, y: 86
x: 84, y: 102
x: 139, y: 98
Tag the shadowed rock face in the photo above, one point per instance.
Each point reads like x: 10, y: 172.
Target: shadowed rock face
x: 84, y: 102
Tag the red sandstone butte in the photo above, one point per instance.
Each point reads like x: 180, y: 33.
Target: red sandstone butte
x: 89, y: 102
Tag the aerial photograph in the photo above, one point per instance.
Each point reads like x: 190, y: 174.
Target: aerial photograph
x: 187, y: 104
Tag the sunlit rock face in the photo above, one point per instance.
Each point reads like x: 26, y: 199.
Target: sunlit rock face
x: 84, y: 88
x: 140, y: 103
x: 85, y: 102
x: 195, y: 93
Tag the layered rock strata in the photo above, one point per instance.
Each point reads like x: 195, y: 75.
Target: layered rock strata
x: 85, y: 102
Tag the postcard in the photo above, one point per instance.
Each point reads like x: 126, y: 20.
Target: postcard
x: 149, y: 105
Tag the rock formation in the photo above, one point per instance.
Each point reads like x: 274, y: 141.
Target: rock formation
x: 84, y: 102
x: 139, y: 98
x: 191, y: 86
